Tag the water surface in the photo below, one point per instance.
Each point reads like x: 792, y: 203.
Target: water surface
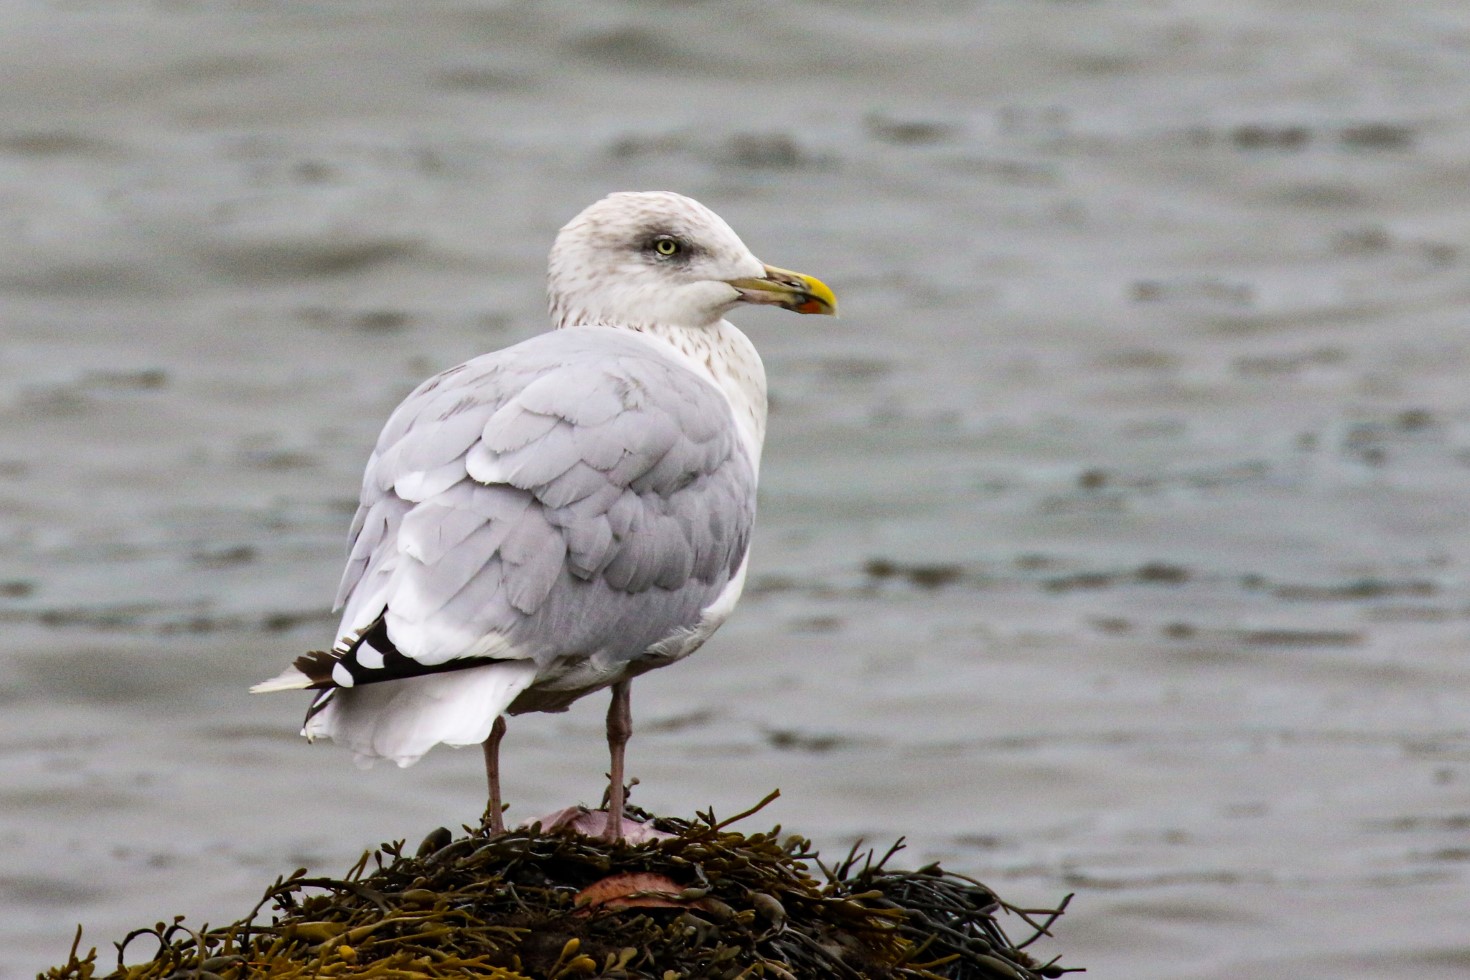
x: 1114, y: 540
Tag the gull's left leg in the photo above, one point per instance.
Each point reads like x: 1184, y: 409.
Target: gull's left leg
x: 619, y: 729
x: 492, y: 775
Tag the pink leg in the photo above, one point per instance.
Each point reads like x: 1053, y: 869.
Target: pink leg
x: 492, y: 773
x: 619, y: 729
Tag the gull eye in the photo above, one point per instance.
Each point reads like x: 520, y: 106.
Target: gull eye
x: 667, y: 247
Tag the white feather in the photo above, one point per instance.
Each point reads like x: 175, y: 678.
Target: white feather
x: 486, y: 466
x: 369, y: 657
x: 424, y: 484
x: 289, y: 679
x: 401, y: 720
x: 367, y: 602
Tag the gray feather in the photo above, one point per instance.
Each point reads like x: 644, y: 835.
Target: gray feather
x: 417, y: 485
x: 548, y: 395
x: 438, y: 439
x: 432, y: 528
x: 421, y: 589
x: 538, y: 463
x: 513, y: 427
x: 577, y: 483
x: 579, y: 492
x: 599, y: 445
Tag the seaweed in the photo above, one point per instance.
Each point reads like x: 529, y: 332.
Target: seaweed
x: 527, y: 905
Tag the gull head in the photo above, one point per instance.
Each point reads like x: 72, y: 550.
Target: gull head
x: 640, y: 259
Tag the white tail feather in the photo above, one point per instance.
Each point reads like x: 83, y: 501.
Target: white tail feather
x: 289, y: 679
x: 403, y: 719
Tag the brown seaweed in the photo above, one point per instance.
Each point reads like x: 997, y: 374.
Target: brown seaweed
x: 525, y: 905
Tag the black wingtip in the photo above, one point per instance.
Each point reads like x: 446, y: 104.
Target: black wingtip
x: 317, y: 666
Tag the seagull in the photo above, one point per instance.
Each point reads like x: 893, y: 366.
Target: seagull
x: 560, y: 516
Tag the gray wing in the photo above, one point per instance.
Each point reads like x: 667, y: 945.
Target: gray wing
x: 578, y: 495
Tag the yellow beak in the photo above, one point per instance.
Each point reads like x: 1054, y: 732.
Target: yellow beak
x: 788, y: 290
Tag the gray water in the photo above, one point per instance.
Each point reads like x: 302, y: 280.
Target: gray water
x: 1114, y: 541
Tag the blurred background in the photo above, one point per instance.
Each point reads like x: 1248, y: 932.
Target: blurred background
x: 1114, y: 540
